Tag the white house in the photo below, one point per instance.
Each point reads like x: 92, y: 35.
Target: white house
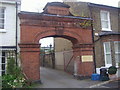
x: 8, y: 30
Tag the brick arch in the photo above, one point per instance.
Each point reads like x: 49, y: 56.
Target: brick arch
x: 70, y: 35
x: 35, y: 26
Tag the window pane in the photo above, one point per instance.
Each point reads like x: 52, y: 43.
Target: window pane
x: 104, y: 16
x: 1, y: 26
x: 3, y: 66
x: 108, y: 59
x: 3, y: 73
x: 107, y: 47
x: 0, y: 66
x: 107, y: 53
x: 1, y: 10
x: 117, y: 46
x: 2, y: 18
x: 117, y: 51
x: 1, y: 21
x: 3, y: 57
x: 117, y: 58
x: 104, y: 24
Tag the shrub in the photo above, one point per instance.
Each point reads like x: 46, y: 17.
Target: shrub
x: 11, y: 65
x: 14, y: 77
x: 112, y: 70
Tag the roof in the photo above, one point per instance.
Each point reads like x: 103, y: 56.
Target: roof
x: 101, y: 5
x: 11, y: 1
x: 60, y: 4
x: 108, y: 33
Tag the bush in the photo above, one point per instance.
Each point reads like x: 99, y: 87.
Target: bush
x: 14, y: 77
x: 112, y: 70
x: 11, y: 65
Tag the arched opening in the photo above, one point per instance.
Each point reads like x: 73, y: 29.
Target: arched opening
x: 57, y: 53
x: 47, y: 57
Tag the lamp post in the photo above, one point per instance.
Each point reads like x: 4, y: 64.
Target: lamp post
x: 50, y: 47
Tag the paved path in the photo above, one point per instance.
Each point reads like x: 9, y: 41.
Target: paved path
x: 107, y: 84
x: 58, y: 79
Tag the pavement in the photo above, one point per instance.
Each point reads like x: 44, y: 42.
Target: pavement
x: 52, y: 78
x: 107, y: 84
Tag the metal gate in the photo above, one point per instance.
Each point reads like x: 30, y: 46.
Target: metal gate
x: 47, y: 57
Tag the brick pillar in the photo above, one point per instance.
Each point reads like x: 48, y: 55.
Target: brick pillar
x: 84, y: 58
x: 30, y: 60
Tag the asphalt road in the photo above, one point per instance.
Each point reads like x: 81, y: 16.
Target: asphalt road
x: 51, y: 78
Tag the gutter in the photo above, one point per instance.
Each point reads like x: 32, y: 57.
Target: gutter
x: 16, y: 30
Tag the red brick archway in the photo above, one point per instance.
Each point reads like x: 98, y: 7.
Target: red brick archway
x: 35, y: 26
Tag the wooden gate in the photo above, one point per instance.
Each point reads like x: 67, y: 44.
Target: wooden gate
x: 70, y: 65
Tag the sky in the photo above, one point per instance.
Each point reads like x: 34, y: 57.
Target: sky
x: 38, y: 5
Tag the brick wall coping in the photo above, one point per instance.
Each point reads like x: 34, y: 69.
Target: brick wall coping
x: 34, y: 15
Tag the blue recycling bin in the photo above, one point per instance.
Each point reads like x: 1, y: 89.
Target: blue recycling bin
x: 95, y: 77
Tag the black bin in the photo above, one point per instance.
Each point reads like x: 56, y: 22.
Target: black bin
x: 103, y: 74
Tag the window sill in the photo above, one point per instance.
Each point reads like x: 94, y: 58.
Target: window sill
x: 106, y: 30
x: 2, y: 31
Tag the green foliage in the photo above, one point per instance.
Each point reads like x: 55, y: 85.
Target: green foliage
x: 11, y: 65
x: 85, y: 24
x: 14, y: 77
x: 112, y: 70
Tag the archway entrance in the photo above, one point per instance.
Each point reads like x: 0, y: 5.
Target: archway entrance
x: 55, y: 21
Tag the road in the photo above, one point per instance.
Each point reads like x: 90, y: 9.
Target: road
x: 52, y: 78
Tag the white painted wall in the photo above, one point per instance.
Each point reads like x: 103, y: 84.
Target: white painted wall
x: 8, y: 36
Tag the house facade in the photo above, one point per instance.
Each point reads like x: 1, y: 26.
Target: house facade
x: 8, y: 27
x: 106, y: 32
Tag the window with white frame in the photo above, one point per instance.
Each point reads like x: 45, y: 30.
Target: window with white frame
x: 117, y: 52
x: 4, y: 55
x: 105, y: 20
x: 107, y: 54
x: 2, y: 18
x: 2, y: 63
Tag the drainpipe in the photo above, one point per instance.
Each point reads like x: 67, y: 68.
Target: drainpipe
x: 16, y: 30
x: 92, y: 37
x: 93, y: 46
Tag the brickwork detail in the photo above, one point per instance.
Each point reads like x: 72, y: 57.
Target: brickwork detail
x: 35, y: 26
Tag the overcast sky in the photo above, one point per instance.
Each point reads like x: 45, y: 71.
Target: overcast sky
x: 38, y: 5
